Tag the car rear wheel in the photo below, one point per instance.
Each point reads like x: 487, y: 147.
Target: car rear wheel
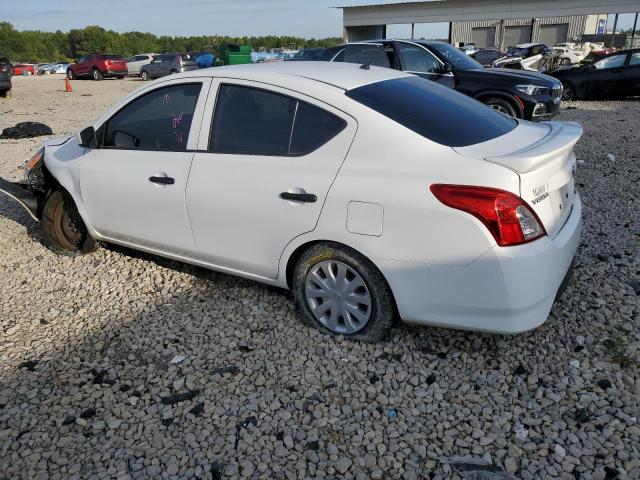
x: 565, y: 62
x: 568, y: 92
x: 71, y: 75
x: 63, y: 230
x: 144, y: 75
x: 339, y: 291
x: 96, y: 74
x: 501, y: 105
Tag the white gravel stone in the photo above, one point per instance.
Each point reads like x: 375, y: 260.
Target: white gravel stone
x: 269, y: 398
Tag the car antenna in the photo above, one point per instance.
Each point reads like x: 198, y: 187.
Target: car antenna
x: 366, y: 66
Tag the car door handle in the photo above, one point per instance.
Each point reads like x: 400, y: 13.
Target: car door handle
x: 299, y: 197
x: 162, y: 180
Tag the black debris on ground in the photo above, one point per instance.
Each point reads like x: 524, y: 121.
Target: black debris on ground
x: 26, y: 130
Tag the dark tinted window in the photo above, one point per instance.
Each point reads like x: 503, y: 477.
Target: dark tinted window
x: 159, y: 120
x: 436, y: 112
x: 313, y: 127
x: 253, y: 121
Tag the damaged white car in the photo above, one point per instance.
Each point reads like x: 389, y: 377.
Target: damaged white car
x: 534, y: 57
x: 370, y: 192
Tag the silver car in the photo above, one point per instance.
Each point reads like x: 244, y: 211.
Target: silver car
x: 135, y: 63
x: 168, y: 64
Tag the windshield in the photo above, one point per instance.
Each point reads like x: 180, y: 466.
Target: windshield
x: 458, y: 59
x: 434, y: 111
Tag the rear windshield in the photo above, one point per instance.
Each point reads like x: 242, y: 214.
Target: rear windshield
x: 436, y: 112
x: 113, y: 57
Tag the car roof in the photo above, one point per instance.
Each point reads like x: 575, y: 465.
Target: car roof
x: 345, y: 76
x: 528, y: 45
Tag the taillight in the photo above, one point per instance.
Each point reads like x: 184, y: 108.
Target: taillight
x: 108, y: 63
x: 507, y: 216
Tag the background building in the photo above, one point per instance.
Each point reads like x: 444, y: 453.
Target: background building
x: 505, y: 33
x: 494, y: 23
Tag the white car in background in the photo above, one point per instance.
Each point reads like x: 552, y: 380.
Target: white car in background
x: 135, y: 63
x: 569, y: 56
x: 368, y: 191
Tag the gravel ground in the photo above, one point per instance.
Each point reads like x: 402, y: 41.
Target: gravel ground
x: 124, y: 365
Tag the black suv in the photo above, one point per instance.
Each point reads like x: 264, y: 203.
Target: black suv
x: 6, y: 71
x: 528, y: 95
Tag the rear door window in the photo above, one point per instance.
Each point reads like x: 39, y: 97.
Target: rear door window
x: 158, y: 120
x: 253, y: 121
x: 436, y: 112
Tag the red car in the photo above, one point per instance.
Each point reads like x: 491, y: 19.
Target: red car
x: 19, y: 68
x: 98, y: 66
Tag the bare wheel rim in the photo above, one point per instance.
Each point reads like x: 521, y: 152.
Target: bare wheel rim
x: 567, y: 93
x: 500, y: 109
x: 66, y: 231
x: 338, y: 297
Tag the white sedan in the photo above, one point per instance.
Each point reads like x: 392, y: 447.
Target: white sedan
x: 135, y: 63
x: 369, y: 192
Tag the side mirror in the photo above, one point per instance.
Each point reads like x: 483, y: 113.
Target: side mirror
x: 447, y: 68
x: 88, y: 138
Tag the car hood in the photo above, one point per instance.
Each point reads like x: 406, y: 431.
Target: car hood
x: 54, y: 142
x: 515, y: 75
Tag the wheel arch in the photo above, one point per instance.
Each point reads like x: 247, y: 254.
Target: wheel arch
x: 503, y: 95
x: 294, y: 256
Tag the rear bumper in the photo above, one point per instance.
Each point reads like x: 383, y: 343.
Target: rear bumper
x: 114, y: 73
x: 21, y: 193
x: 507, y: 290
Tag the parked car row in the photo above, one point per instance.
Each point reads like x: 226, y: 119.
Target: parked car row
x: 527, y: 95
x: 518, y: 92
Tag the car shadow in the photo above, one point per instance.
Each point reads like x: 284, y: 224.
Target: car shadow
x: 186, y: 363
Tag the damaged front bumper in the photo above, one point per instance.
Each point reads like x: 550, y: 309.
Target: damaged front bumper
x: 22, y: 194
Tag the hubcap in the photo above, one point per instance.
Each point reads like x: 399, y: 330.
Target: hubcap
x: 338, y: 297
x: 500, y: 109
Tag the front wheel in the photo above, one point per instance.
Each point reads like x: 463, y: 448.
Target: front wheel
x: 565, y: 62
x: 71, y: 75
x: 144, y: 75
x: 568, y: 92
x: 501, y: 105
x: 96, y: 74
x: 63, y: 230
x: 341, y: 292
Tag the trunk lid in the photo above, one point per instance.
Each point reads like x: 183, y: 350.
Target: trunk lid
x: 546, y: 166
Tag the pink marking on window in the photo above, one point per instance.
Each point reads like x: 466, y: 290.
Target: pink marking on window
x: 176, y: 120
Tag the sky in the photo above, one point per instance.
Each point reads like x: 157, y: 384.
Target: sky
x: 304, y: 18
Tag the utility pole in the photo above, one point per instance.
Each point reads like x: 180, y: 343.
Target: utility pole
x: 413, y: 31
x: 615, y: 26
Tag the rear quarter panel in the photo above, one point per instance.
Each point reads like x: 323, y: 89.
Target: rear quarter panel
x: 392, y: 166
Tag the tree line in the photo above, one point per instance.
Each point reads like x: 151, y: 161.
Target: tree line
x: 37, y: 46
